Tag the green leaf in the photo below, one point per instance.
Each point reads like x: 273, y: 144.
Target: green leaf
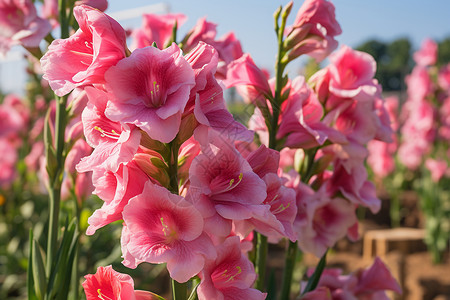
x: 193, y: 294
x: 31, y: 293
x: 314, y: 279
x: 39, y: 277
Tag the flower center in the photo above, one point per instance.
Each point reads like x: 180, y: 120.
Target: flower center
x: 230, y: 276
x: 101, y: 296
x: 113, y: 134
x: 155, y: 95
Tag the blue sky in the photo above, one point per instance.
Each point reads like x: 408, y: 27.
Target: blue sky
x: 360, y: 20
x: 252, y: 22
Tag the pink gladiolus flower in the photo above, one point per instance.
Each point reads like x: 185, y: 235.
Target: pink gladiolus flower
x: 250, y: 81
x: 419, y: 85
x: 150, y: 89
x: 444, y: 77
x: 321, y: 220
x: 156, y: 28
x: 427, y: 55
x: 115, y: 189
x: 313, y: 31
x: 206, y: 97
x: 301, y: 119
x: 114, y: 142
x: 8, y: 161
x: 351, y: 74
x: 229, y: 276
x: 437, y: 168
x: 381, y: 157
x: 20, y: 25
x: 229, y: 49
x: 107, y: 283
x: 101, y: 5
x: 11, y: 122
x: 165, y: 228
x: 83, y: 58
x: 223, y: 186
x: 203, y: 31
x: 364, y: 284
x: 352, y: 182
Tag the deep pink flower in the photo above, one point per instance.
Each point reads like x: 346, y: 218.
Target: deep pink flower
x: 321, y: 220
x: 223, y: 186
x: 114, y: 142
x: 250, y: 81
x: 84, y: 57
x: 427, y: 55
x: 419, y: 85
x: 115, y: 189
x: 203, y: 31
x: 444, y: 77
x: 156, y: 28
x: 229, y: 276
x: 352, y: 73
x: 8, y: 161
x: 206, y: 97
x: 107, y: 283
x: 365, y: 284
x: 381, y: 157
x: 165, y: 228
x: 301, y: 119
x: 101, y: 5
x: 229, y: 49
x: 11, y: 122
x: 20, y: 25
x: 150, y: 89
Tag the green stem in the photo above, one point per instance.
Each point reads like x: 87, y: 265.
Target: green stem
x: 179, y: 290
x: 55, y: 181
x: 289, y: 265
x: 261, y: 258
x: 262, y: 245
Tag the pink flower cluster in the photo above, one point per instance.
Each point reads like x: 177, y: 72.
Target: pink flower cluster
x: 337, y: 113
x: 186, y: 179
x: 368, y: 284
x: 426, y: 113
x: 14, y: 117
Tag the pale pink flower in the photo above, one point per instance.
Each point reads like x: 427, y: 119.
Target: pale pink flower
x: 156, y: 28
x: 313, y: 31
x: 32, y: 159
x: 83, y: 58
x: 165, y: 228
x: 437, y: 168
x: 427, y: 55
x: 20, y: 25
x: 223, y: 186
x: 50, y: 10
x: 230, y: 276
x: 150, y: 89
x: 107, y: 283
